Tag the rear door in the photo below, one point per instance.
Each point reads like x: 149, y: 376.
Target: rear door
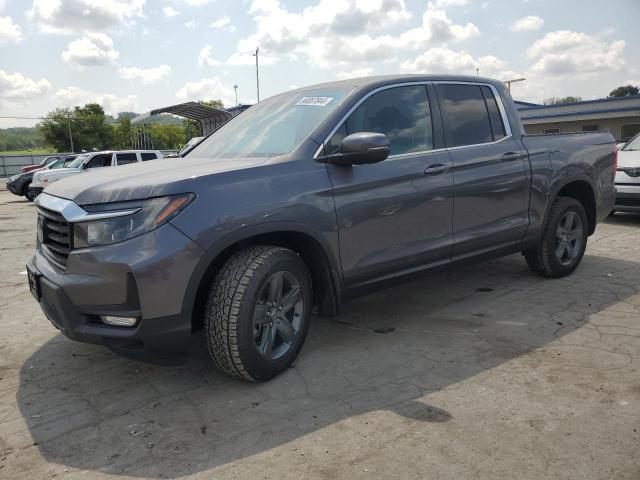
x: 394, y: 214
x: 489, y: 171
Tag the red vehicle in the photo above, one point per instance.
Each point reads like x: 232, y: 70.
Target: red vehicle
x: 44, y: 163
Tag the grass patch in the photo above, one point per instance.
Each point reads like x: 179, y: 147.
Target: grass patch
x: 35, y: 151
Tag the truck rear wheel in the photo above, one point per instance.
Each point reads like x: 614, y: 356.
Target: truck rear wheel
x: 258, y: 312
x: 563, y: 241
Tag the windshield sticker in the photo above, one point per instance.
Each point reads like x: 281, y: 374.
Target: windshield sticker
x: 315, y: 101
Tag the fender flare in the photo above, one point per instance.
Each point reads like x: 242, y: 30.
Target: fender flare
x: 246, y: 233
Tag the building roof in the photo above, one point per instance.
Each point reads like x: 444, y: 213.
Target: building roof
x: 586, y: 110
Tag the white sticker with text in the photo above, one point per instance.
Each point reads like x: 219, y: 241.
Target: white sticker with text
x: 314, y: 101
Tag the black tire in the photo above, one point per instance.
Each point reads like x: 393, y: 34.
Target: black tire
x: 29, y: 195
x: 544, y: 258
x: 235, y: 339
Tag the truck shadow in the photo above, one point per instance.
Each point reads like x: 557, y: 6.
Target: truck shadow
x: 90, y: 409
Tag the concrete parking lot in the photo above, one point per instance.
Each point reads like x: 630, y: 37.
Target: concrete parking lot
x: 486, y: 371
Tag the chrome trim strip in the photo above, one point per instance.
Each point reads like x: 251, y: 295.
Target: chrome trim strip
x: 73, y: 212
x: 494, y: 90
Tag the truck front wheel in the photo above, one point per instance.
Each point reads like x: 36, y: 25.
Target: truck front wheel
x: 563, y: 241
x: 258, y: 312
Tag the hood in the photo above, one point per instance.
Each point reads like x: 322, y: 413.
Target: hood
x: 144, y: 180
x: 629, y: 158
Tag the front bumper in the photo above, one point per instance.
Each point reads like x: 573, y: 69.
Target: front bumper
x: 627, y: 198
x: 144, y: 277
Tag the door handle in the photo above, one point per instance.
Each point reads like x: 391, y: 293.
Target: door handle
x: 509, y: 156
x: 436, y: 169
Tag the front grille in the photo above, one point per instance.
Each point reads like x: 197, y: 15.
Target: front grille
x: 55, y: 235
x: 628, y: 201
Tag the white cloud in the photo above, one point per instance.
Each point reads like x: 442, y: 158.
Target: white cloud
x: 356, y: 73
x: 223, y: 23
x: 16, y: 87
x: 205, y: 57
x: 525, y: 24
x: 197, y: 3
x: 70, y: 16
x: 145, y: 75
x: 112, y: 104
x: 247, y: 58
x: 334, y: 32
x: 451, y: 3
x: 444, y: 60
x: 93, y: 49
x: 9, y: 31
x: 190, y: 24
x: 207, y: 89
x: 169, y: 11
x: 567, y: 52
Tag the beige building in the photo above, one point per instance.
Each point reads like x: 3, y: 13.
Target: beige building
x: 620, y: 116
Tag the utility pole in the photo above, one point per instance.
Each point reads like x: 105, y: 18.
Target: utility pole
x: 477, y: 72
x: 235, y: 87
x: 515, y: 80
x: 70, y: 136
x: 257, y: 73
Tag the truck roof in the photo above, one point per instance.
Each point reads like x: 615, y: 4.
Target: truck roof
x: 379, y: 80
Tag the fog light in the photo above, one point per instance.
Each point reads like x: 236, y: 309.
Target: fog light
x: 119, y: 321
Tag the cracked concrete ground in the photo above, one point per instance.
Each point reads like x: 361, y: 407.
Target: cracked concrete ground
x: 491, y: 372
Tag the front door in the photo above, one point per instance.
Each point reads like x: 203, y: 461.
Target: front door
x: 397, y: 213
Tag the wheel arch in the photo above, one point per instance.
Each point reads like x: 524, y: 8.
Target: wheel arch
x: 581, y: 189
x: 312, y: 247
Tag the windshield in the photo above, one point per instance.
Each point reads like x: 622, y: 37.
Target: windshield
x: 77, y: 163
x: 275, y: 126
x: 633, y: 144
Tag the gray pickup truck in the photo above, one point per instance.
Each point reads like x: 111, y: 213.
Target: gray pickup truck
x: 303, y: 200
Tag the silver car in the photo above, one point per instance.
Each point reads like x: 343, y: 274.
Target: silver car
x: 628, y: 177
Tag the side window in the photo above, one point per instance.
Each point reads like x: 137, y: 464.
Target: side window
x: 401, y: 113
x: 148, y: 156
x: 466, y: 115
x: 497, y: 125
x: 99, y: 161
x: 126, y: 158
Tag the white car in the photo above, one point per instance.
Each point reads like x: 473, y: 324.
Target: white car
x: 87, y: 161
x: 628, y: 177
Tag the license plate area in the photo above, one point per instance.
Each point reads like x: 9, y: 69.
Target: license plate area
x: 34, y: 283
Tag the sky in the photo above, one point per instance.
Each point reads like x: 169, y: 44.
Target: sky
x: 136, y: 55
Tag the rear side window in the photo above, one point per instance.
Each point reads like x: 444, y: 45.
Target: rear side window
x: 401, y: 113
x: 497, y: 126
x: 466, y: 115
x: 126, y: 158
x: 148, y: 156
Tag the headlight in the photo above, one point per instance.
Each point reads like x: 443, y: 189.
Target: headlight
x: 147, y: 215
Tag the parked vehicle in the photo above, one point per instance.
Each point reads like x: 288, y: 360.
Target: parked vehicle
x: 19, y: 184
x: 628, y: 177
x: 89, y: 161
x: 307, y: 198
x: 42, y: 164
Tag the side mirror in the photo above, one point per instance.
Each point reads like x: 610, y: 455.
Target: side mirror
x: 360, y: 149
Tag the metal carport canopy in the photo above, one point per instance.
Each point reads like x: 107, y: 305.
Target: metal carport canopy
x: 208, y: 118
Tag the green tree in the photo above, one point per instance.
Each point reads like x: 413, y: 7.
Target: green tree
x: 624, y: 91
x: 88, y: 127
x: 122, y: 134
x: 558, y: 100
